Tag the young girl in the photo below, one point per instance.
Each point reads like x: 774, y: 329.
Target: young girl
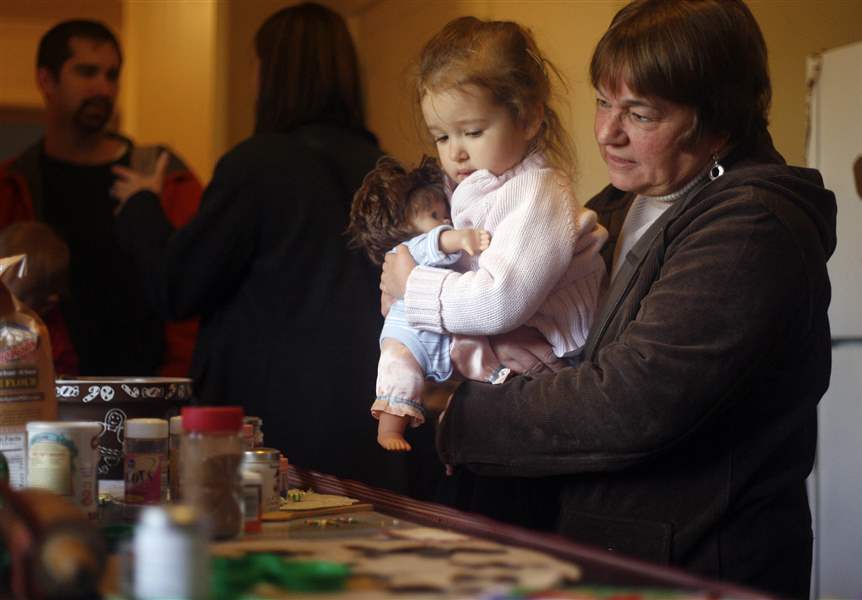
x: 394, y: 206
x: 484, y: 91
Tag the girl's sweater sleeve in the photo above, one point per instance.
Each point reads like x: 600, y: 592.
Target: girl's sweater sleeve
x: 531, y: 248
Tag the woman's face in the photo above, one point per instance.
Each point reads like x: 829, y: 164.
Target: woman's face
x: 643, y: 142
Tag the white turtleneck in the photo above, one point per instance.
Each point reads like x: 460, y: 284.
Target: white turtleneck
x: 642, y: 213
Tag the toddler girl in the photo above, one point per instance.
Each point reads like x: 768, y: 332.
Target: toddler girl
x: 484, y: 90
x: 394, y: 205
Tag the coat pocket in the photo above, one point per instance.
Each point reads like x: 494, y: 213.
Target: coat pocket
x: 646, y: 540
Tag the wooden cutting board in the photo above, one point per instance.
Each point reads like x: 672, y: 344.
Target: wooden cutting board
x: 292, y: 515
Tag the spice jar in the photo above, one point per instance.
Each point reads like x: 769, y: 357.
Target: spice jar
x: 252, y: 487
x: 257, y: 425
x: 175, y: 430
x: 210, y: 477
x: 145, y: 461
x: 265, y: 461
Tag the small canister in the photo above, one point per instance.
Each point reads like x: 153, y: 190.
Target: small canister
x: 265, y: 461
x: 283, y: 484
x: 257, y: 426
x: 145, y: 461
x: 175, y: 438
x: 170, y: 555
x: 252, y: 494
x: 63, y: 457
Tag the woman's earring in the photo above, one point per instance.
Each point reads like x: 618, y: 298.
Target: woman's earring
x: 717, y: 170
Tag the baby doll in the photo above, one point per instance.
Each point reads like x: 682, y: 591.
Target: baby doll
x: 396, y: 206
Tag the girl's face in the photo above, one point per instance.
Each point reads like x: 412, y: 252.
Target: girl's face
x: 435, y: 212
x: 642, y: 140
x: 472, y: 132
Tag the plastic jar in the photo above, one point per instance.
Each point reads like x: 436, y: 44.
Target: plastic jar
x: 252, y: 492
x: 170, y: 555
x: 265, y: 461
x: 247, y: 436
x: 211, y: 455
x: 63, y: 457
x: 175, y: 437
x: 257, y: 424
x: 145, y: 461
x: 283, y: 484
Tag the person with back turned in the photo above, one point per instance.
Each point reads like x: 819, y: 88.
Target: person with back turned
x: 289, y: 314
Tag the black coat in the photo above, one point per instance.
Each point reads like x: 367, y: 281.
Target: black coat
x: 290, y: 317
x: 686, y: 434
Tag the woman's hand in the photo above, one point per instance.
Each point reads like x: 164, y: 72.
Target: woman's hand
x: 526, y: 351
x: 396, y: 269
x: 129, y: 182
x: 386, y: 302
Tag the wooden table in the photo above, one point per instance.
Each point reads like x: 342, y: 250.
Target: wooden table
x: 598, y: 567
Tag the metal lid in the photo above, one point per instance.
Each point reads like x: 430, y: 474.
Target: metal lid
x: 146, y: 428
x: 262, y: 455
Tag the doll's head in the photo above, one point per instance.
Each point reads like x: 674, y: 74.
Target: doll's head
x: 47, y: 268
x: 394, y: 205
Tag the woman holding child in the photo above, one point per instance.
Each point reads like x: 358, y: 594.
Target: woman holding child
x: 685, y: 430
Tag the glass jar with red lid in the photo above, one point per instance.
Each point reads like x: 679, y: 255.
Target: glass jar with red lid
x: 211, y: 455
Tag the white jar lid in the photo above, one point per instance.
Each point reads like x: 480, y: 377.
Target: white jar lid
x: 176, y: 426
x: 38, y: 426
x: 146, y: 428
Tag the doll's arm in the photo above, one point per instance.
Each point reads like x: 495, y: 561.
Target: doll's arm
x: 471, y: 241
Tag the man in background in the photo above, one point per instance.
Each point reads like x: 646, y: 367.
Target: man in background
x: 65, y: 180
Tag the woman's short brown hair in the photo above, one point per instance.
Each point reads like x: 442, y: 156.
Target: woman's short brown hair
x: 706, y: 54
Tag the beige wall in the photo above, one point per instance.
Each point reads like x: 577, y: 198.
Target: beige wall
x: 391, y: 33
x: 170, y: 83
x: 188, y: 74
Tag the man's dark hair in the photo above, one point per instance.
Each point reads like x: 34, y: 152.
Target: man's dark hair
x: 54, y: 47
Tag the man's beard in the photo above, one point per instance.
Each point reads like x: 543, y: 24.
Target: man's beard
x: 94, y: 114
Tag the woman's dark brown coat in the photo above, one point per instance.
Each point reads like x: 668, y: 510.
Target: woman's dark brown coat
x: 686, y: 433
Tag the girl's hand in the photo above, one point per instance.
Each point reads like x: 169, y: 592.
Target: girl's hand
x: 396, y: 270
x: 386, y: 302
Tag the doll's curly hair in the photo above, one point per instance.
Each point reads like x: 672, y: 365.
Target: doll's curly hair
x: 387, y: 201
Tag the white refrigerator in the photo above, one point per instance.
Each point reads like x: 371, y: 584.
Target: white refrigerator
x: 835, y: 148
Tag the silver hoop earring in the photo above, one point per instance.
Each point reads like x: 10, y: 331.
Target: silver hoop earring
x: 717, y: 170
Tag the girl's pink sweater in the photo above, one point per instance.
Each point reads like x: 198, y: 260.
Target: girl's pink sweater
x: 542, y: 268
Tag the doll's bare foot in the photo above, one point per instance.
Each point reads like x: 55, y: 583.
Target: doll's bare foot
x: 390, y: 432
x: 394, y: 442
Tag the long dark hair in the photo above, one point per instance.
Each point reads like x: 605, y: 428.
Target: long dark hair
x: 308, y: 70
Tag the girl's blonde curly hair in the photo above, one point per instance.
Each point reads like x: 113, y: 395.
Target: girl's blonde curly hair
x: 501, y: 57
